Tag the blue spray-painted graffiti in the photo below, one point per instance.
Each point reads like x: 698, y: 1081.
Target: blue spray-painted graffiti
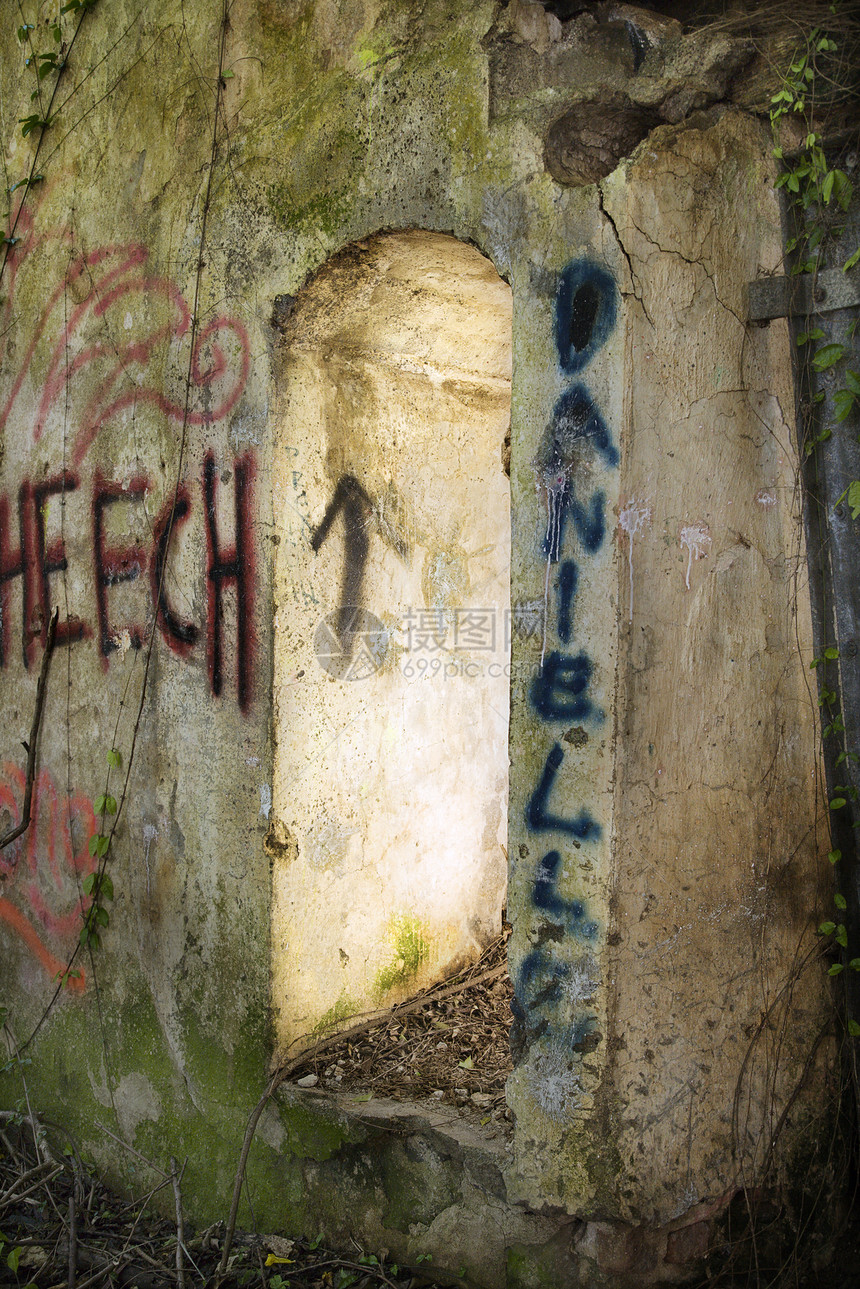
x: 558, y: 689
x: 540, y: 819
x: 585, y: 306
x: 568, y: 580
x: 551, y: 991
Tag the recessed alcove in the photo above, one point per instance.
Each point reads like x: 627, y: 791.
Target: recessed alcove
x: 388, y: 825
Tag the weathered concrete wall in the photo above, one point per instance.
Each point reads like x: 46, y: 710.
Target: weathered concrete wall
x: 664, y: 859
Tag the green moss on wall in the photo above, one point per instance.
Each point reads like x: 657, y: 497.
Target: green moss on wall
x: 411, y: 949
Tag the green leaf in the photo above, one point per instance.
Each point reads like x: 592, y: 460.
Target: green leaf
x: 227, y: 76
x: 854, y: 964
x: 851, y: 261
x: 835, y: 969
x: 835, y: 856
x: 806, y: 336
x: 102, y: 916
x: 102, y: 847
x: 110, y: 805
x: 827, y: 928
x: 854, y: 1029
x: 88, y: 883
x: 92, y: 844
x: 854, y: 498
x: 842, y: 936
x: 843, y: 189
x: 828, y: 356
x: 106, y: 887
x: 837, y: 803
x: 840, y: 901
x: 843, y: 402
x: 114, y: 758
x: 831, y: 652
x: 468, y: 1064
x: 14, y: 1258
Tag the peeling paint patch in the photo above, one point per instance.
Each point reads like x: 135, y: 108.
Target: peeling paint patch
x: 265, y: 799
x: 695, y: 538
x: 634, y: 517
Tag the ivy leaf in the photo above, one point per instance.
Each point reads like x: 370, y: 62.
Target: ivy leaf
x: 851, y: 261
x: 828, y: 357
x: 827, y: 928
x: 468, y: 1064
x: 843, y: 402
x: 854, y: 964
x: 840, y: 901
x: 837, y: 803
x: 114, y: 758
x: 835, y: 969
x: 835, y: 856
x: 854, y: 498
x: 853, y: 1029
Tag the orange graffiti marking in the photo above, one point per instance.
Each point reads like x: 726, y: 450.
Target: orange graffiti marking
x: 43, y: 868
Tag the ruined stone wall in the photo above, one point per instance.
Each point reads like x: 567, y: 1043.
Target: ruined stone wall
x: 662, y: 830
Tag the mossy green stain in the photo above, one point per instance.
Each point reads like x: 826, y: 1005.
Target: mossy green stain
x: 411, y: 949
x: 345, y: 1007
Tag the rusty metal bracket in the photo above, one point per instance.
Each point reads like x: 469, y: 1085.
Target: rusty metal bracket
x: 795, y: 297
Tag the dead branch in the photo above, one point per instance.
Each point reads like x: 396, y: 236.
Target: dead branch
x: 41, y: 687
x: 322, y: 1045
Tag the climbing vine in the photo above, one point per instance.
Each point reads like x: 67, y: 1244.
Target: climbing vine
x: 820, y: 197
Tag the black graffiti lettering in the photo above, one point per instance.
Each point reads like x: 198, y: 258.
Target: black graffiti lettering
x: 50, y: 560
x: 541, y: 819
x: 230, y: 566
x: 114, y: 566
x: 351, y: 498
x: 180, y: 635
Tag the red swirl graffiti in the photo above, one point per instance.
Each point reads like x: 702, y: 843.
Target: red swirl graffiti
x: 43, y: 901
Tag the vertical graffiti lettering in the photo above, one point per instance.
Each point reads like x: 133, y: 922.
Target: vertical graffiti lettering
x: 180, y: 635
x: 577, y: 447
x: 232, y: 566
x: 349, y: 497
x: 113, y: 566
x: 14, y: 563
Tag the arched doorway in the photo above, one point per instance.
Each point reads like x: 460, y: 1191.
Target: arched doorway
x: 392, y: 624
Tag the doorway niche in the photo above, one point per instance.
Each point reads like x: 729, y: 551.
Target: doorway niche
x: 391, y: 632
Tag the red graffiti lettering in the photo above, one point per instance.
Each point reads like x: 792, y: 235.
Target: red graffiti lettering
x: 105, y: 337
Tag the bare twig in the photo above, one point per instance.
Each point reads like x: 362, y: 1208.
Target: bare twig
x: 41, y: 687
x: 73, y: 1239
x: 323, y: 1045
x: 180, y: 1226
x: 119, y: 1141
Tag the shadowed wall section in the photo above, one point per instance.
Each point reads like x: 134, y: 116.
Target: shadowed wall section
x: 389, y: 817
